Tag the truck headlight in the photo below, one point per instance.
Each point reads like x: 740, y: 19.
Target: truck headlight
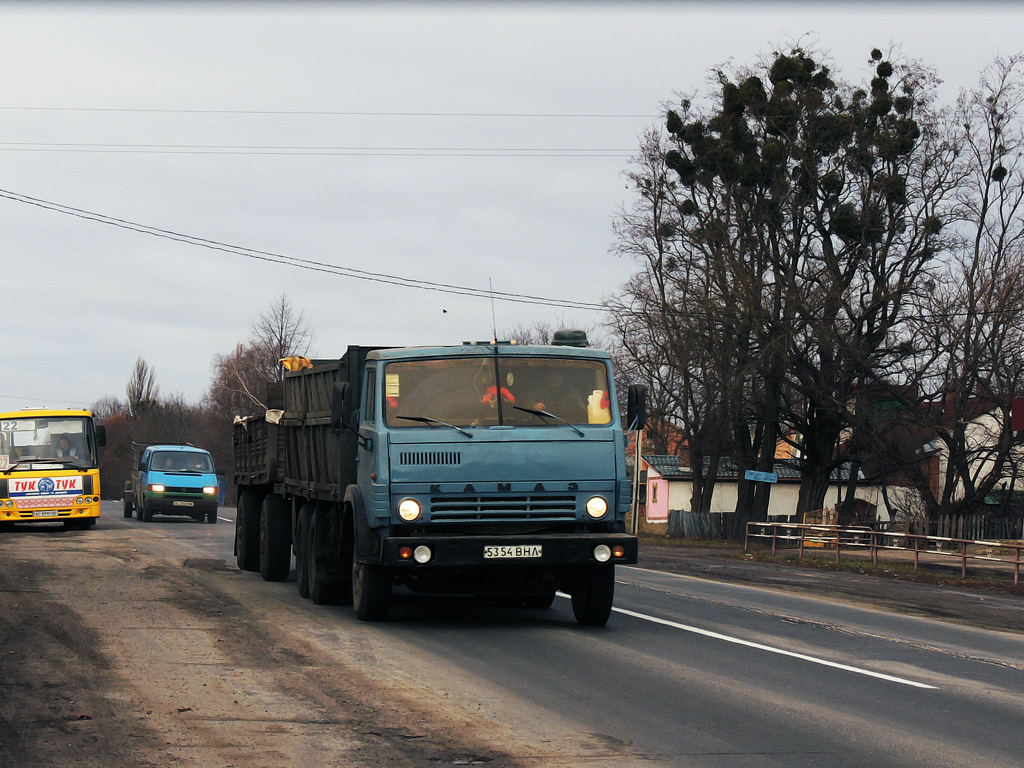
x: 597, y: 507
x: 156, y: 488
x: 209, y: 490
x: 409, y: 510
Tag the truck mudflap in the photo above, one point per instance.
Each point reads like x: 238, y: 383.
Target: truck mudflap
x: 505, y: 551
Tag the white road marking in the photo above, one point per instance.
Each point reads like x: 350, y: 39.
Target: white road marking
x: 225, y: 519
x: 770, y: 649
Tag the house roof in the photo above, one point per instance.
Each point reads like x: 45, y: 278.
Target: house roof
x: 669, y: 468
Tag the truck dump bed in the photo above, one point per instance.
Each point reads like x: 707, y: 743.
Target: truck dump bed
x: 295, y: 449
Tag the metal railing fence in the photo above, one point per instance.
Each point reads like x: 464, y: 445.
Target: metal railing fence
x: 797, y: 535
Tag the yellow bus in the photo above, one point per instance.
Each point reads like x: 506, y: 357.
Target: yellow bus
x: 49, y: 467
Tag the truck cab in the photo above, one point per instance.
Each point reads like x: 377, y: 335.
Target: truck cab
x: 489, y: 469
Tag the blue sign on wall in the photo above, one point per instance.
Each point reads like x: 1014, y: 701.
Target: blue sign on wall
x: 761, y: 477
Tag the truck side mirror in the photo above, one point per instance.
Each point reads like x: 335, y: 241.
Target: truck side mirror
x: 142, y: 466
x: 101, y: 436
x: 636, y: 407
x: 341, y: 404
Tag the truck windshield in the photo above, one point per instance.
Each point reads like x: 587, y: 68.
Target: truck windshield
x: 181, y: 461
x: 52, y: 438
x: 467, y: 392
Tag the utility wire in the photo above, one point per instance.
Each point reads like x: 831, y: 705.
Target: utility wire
x: 200, y: 149
x: 316, y: 266
x: 327, y: 113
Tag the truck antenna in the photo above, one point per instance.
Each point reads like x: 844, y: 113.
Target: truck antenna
x: 494, y: 322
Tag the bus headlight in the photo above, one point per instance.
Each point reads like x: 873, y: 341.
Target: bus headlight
x: 409, y: 510
x: 597, y: 507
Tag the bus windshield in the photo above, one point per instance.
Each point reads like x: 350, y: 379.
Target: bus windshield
x: 49, y: 438
x: 515, y: 391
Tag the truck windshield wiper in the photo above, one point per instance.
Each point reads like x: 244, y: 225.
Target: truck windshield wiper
x: 542, y: 414
x: 429, y: 420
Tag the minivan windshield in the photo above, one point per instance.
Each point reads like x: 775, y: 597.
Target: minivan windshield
x: 181, y: 461
x: 512, y: 391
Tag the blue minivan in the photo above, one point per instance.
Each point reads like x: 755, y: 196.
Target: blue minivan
x: 173, y: 480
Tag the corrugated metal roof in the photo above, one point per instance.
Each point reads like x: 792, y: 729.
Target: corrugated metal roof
x: 668, y: 467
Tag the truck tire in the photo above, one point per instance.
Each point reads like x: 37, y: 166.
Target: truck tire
x: 127, y: 506
x: 211, y: 517
x: 275, y: 539
x: 247, y: 530
x: 302, y: 549
x: 371, y: 591
x: 145, y: 515
x: 592, y: 595
x: 321, y: 591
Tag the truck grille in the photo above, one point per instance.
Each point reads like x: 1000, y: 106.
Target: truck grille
x: 429, y: 458
x: 502, y: 508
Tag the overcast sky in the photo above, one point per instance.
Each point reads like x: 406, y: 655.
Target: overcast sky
x: 453, y: 143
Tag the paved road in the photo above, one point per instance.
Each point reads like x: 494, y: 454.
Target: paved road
x: 177, y: 658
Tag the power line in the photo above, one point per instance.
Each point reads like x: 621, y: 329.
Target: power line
x: 309, y: 264
x: 204, y: 149
x: 330, y: 113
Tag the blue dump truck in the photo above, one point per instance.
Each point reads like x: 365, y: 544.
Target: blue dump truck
x: 488, y: 469
x: 172, y: 480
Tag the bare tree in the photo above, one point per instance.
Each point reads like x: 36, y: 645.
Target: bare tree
x: 241, y: 377
x: 969, y: 332
x: 279, y: 332
x: 142, y: 390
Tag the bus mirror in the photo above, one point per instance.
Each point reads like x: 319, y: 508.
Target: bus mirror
x: 636, y: 408
x: 341, y: 404
x: 101, y: 436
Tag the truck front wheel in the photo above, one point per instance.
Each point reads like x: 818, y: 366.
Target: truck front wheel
x: 371, y: 591
x: 275, y: 539
x: 592, y: 595
x: 247, y: 530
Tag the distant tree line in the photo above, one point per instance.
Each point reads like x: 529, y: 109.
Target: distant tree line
x: 238, y: 388
x: 833, y: 265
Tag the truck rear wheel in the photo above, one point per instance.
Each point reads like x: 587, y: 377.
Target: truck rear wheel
x: 302, y: 552
x: 275, y: 539
x: 321, y: 591
x: 371, y: 591
x: 592, y: 595
x: 247, y: 530
x: 127, y: 507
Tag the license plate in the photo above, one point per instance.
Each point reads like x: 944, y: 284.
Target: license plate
x: 45, y: 513
x: 184, y: 504
x: 512, y: 552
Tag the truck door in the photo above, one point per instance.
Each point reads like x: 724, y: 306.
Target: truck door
x: 367, y: 448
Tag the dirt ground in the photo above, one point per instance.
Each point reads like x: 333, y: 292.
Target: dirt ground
x: 112, y: 656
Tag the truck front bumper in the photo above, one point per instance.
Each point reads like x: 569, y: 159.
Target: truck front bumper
x: 546, y: 550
